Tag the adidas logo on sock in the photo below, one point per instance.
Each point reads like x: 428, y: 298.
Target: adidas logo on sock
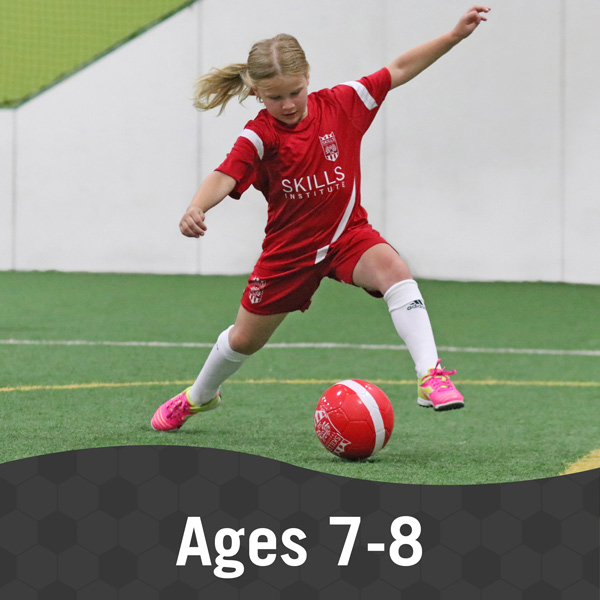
x: 416, y: 304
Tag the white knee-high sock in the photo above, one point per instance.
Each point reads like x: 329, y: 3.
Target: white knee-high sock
x: 222, y: 362
x: 411, y: 321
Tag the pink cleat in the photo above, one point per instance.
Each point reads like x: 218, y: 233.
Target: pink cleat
x: 171, y: 415
x: 435, y: 389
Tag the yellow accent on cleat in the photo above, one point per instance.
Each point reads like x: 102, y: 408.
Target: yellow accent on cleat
x: 171, y: 415
x: 436, y: 390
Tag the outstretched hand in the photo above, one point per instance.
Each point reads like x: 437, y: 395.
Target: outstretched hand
x: 471, y: 20
x: 213, y: 190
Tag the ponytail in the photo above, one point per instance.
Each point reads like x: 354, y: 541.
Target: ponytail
x: 219, y: 86
x: 278, y: 56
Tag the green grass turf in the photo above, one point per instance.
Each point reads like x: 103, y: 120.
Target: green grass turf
x: 42, y: 41
x: 506, y: 432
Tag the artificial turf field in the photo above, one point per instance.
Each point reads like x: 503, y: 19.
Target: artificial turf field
x: 87, y: 358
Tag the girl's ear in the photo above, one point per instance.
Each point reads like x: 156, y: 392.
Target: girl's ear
x: 254, y: 92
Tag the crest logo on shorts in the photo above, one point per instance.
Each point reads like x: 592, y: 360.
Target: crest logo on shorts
x: 256, y: 290
x: 330, y: 146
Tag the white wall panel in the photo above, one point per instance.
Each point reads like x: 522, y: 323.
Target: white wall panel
x: 484, y: 167
x: 474, y: 146
x: 107, y: 161
x: 6, y: 188
x: 582, y: 144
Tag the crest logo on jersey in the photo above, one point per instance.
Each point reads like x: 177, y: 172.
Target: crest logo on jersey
x: 255, y: 292
x: 330, y: 146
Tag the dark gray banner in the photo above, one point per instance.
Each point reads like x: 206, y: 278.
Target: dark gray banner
x: 158, y: 522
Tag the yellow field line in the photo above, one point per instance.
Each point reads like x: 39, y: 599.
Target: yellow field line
x: 587, y: 463
x: 591, y: 461
x: 92, y: 385
x: 267, y: 381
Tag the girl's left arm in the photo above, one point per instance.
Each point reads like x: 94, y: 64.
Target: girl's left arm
x: 412, y: 62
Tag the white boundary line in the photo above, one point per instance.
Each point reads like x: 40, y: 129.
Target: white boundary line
x: 310, y: 345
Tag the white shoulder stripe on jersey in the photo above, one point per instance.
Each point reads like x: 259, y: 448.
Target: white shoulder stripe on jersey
x: 256, y: 141
x: 363, y: 94
x: 373, y: 409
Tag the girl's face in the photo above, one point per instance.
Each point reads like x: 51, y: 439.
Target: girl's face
x: 285, y: 97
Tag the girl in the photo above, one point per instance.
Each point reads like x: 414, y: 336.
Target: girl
x: 303, y: 153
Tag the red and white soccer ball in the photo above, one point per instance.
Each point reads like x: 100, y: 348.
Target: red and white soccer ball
x: 354, y: 419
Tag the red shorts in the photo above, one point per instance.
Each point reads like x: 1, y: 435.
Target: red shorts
x: 272, y: 292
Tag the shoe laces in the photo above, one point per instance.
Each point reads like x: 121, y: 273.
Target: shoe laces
x: 438, y: 377
x: 176, y: 409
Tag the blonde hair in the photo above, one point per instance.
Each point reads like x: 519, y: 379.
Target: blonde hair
x: 279, y: 55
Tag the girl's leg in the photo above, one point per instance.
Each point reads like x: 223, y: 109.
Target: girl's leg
x: 248, y: 335
x: 381, y: 269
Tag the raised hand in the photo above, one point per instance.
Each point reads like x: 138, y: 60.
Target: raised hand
x: 471, y: 20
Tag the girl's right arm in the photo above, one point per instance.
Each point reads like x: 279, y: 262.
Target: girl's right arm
x: 214, y: 188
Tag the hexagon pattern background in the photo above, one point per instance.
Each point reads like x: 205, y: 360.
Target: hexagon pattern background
x: 108, y: 524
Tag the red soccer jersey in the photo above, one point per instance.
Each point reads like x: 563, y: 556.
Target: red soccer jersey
x: 309, y: 173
